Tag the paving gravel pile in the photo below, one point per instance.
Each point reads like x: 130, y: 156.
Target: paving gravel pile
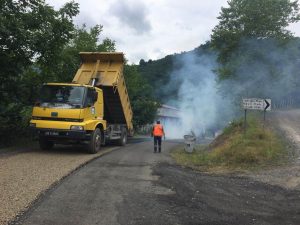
x: 25, y: 175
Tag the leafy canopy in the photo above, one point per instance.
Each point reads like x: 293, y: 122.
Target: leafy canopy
x: 30, y: 30
x: 255, y: 19
x: 63, y: 67
x: 84, y: 40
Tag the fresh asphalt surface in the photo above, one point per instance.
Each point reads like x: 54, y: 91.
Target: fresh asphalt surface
x: 132, y: 185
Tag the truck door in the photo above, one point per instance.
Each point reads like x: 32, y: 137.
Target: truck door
x: 94, y: 107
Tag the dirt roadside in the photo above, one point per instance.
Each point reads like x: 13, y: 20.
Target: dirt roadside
x: 26, y: 174
x: 288, y: 176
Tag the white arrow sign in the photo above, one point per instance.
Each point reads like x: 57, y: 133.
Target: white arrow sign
x: 257, y: 104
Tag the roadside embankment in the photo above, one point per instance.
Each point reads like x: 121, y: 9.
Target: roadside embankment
x: 235, y: 149
x: 26, y: 175
x: 269, y: 155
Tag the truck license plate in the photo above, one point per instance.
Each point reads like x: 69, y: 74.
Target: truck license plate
x: 51, y: 133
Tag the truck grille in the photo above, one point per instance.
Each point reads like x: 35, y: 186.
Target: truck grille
x: 57, y: 119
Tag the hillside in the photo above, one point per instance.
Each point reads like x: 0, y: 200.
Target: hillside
x: 158, y: 73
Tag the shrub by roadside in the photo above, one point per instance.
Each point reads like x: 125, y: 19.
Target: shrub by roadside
x: 14, y: 124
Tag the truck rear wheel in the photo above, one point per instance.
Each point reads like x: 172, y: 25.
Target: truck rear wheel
x: 45, y: 144
x: 95, y: 142
x: 123, y: 140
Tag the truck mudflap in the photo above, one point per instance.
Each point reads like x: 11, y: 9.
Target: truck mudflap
x: 63, y: 134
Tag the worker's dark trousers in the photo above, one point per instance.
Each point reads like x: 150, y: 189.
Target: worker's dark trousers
x: 157, y: 143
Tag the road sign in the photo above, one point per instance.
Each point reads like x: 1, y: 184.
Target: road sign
x: 267, y: 105
x: 257, y: 104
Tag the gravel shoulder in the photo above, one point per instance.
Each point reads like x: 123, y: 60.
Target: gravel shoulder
x: 287, y: 123
x: 26, y: 173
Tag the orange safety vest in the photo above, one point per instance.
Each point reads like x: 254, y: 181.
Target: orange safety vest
x: 158, y: 130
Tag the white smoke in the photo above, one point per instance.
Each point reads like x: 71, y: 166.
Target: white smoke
x: 260, y: 69
x: 199, y: 101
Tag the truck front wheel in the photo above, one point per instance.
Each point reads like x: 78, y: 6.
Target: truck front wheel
x: 95, y: 143
x: 45, y: 144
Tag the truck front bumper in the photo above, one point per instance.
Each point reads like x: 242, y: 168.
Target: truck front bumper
x: 55, y: 134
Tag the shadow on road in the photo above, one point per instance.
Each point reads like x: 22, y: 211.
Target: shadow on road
x: 62, y: 149
x: 79, y: 149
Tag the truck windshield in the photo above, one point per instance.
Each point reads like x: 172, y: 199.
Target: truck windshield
x: 58, y: 96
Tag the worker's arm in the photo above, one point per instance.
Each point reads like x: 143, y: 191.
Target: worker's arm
x: 164, y: 134
x: 152, y: 131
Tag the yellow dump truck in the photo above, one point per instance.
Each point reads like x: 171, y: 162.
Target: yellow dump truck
x: 93, y: 109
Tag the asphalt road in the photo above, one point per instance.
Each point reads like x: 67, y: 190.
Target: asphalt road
x: 135, y: 186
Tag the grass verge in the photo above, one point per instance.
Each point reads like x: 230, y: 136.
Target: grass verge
x: 234, y: 149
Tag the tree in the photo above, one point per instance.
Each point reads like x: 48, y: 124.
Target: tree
x: 256, y: 51
x: 84, y: 40
x: 63, y: 67
x: 30, y: 31
x: 157, y: 74
x: 140, y: 93
x: 255, y: 19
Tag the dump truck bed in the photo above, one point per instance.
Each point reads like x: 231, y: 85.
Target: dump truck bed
x: 106, y: 70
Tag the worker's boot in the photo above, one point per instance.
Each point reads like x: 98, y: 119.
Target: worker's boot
x: 155, y: 148
x: 159, y: 149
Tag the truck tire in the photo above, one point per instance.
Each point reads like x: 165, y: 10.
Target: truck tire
x: 123, y: 140
x: 95, y: 142
x: 104, y: 140
x: 45, y: 144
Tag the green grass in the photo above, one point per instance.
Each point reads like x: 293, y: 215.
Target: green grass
x: 234, y: 149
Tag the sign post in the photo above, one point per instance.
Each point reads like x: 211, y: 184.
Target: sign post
x: 267, y: 108
x: 245, y: 121
x: 256, y: 104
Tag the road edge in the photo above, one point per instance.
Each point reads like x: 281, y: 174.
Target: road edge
x: 23, y: 214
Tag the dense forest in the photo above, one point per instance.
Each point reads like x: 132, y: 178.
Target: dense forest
x: 251, y: 53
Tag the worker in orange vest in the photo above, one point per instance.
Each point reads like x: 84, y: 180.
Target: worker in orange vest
x: 157, y: 133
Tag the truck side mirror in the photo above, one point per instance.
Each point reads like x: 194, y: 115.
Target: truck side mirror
x: 95, y: 96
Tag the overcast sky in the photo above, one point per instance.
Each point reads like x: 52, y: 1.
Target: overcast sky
x: 152, y: 29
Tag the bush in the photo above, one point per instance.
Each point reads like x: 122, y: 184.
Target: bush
x: 14, y: 121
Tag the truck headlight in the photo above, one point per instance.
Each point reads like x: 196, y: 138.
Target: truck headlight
x: 75, y: 127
